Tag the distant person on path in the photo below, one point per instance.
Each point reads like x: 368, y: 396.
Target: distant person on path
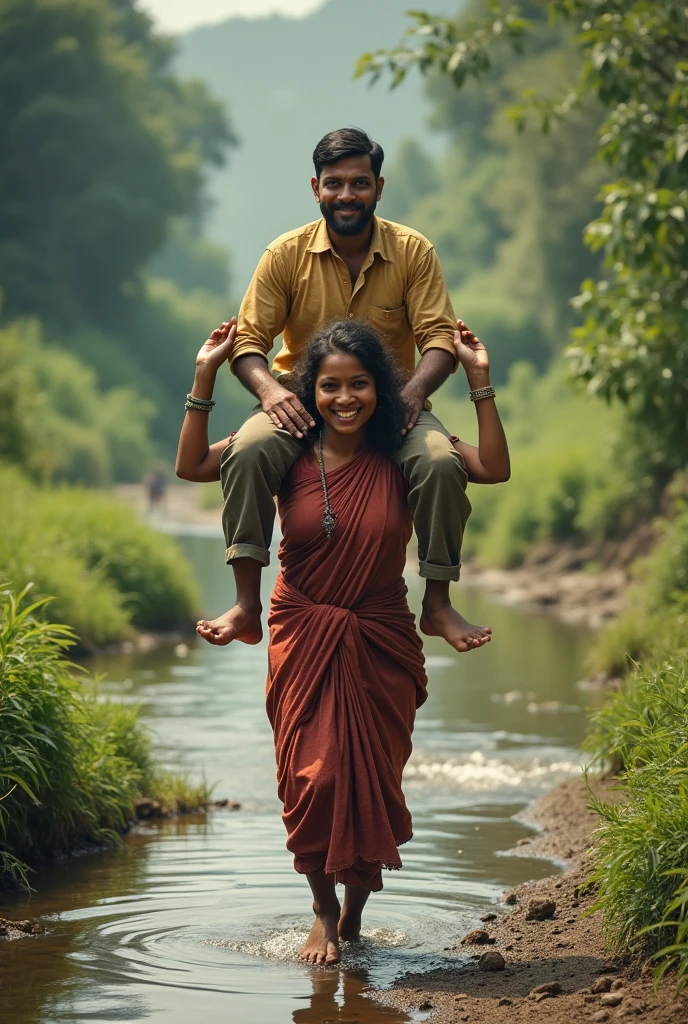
x: 156, y: 485
x: 345, y: 663
x: 349, y: 265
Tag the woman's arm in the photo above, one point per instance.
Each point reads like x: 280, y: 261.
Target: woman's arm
x: 196, y: 460
x: 489, y: 462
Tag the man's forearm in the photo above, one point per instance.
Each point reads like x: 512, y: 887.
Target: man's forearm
x: 252, y: 371
x: 433, y: 369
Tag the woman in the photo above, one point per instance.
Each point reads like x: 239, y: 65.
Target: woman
x: 345, y: 662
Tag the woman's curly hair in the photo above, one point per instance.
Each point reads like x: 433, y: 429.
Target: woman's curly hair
x: 385, y: 426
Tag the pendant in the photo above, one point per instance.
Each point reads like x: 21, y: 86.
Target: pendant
x: 329, y: 521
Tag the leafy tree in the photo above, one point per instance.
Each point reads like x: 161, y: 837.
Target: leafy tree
x: 102, y: 146
x: 631, y: 345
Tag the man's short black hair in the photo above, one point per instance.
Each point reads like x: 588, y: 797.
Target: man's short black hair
x: 347, y: 142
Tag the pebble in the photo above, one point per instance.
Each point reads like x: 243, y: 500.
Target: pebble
x: 491, y: 961
x: 631, y: 1010
x: 477, y: 937
x: 601, y: 985
x: 616, y: 985
x: 600, y: 1016
x: 489, y: 917
x: 504, y: 1002
x: 425, y: 1005
x: 540, y: 910
x: 511, y: 898
x: 612, y: 999
x: 547, y: 990
x: 523, y: 842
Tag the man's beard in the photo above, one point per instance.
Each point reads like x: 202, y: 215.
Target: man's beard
x: 353, y: 227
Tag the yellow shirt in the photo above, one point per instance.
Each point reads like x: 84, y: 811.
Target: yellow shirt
x: 301, y: 284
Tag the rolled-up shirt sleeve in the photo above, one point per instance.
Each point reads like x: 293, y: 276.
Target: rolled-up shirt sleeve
x: 429, y: 307
x: 264, y: 310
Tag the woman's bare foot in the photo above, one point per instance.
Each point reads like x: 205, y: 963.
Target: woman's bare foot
x: 443, y: 620
x: 355, y: 900
x: 237, y: 624
x: 322, y: 945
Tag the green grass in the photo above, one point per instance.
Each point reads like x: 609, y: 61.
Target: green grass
x: 109, y: 573
x: 71, y: 766
x: 641, y: 846
x: 654, y: 624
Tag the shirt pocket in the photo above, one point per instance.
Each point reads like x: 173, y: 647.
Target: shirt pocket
x: 392, y: 324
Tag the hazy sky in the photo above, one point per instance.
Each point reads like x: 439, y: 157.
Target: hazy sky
x: 181, y: 15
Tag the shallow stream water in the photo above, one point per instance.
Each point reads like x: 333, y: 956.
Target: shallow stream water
x: 199, y: 919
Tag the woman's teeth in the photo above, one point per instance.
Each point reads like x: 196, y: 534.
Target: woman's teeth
x: 346, y: 415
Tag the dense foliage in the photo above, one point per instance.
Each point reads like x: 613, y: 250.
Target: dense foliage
x: 632, y: 63
x: 102, y: 185
x: 71, y: 765
x: 108, y: 572
x: 642, y: 845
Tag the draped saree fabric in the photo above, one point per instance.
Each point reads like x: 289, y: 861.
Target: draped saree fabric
x: 345, y: 669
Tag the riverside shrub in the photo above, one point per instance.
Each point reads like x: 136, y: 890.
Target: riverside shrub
x: 71, y: 765
x: 641, y: 847
x: 108, y: 572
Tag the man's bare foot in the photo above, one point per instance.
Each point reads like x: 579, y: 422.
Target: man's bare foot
x: 237, y: 624
x: 443, y: 620
x: 322, y: 945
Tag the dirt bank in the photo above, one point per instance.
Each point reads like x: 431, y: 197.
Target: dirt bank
x: 579, y: 584
x: 564, y: 952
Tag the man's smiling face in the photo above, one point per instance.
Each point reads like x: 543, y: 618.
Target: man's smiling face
x: 348, y: 194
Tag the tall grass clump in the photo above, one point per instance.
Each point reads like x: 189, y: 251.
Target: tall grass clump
x: 108, y: 573
x: 71, y: 767
x: 641, y: 846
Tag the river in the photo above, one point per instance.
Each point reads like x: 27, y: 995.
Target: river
x: 200, y: 918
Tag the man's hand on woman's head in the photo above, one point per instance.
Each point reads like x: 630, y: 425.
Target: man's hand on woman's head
x: 470, y: 351
x: 218, y: 347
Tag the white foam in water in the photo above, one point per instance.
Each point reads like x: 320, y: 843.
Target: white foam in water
x: 285, y: 945
x: 477, y: 772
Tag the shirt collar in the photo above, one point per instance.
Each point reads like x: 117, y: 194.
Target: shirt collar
x: 322, y: 242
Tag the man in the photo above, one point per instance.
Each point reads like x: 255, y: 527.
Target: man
x: 348, y: 265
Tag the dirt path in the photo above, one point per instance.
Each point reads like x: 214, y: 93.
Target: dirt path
x: 183, y: 503
x: 565, y: 951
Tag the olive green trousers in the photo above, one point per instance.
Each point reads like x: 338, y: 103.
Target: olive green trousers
x: 260, y: 455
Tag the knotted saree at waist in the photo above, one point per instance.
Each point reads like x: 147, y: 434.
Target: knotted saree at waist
x: 343, y: 687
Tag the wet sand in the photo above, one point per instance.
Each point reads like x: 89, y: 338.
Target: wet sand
x: 566, y: 948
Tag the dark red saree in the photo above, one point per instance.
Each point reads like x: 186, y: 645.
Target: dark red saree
x: 345, y: 669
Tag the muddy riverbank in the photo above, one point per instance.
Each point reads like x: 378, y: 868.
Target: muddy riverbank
x: 555, y: 968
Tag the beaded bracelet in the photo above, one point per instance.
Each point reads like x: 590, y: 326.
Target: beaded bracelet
x: 199, y: 404
x: 475, y: 396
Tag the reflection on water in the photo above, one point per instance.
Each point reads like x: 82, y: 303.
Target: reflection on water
x: 202, y: 917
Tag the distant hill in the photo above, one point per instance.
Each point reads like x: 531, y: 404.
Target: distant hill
x: 287, y: 82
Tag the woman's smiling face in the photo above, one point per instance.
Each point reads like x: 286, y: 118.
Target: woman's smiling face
x: 345, y: 393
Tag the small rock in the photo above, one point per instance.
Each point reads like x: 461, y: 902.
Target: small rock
x: 221, y: 803
x: 600, y: 1016
x: 557, y: 931
x: 460, y: 995
x: 22, y: 926
x: 571, y: 920
x: 509, y: 947
x: 36, y: 928
x: 632, y: 1009
x: 3, y: 929
x: 234, y: 805
x: 491, y: 961
x: 589, y: 999
x: 611, y: 999
x: 540, y: 910
x: 616, y: 985
x: 425, y: 1005
x: 511, y: 898
x: 489, y: 917
x: 558, y: 885
x: 523, y: 842
x: 547, y: 990
x: 147, y: 808
x: 477, y: 937
x: 504, y: 1002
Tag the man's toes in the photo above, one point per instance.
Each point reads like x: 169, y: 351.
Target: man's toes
x: 461, y: 646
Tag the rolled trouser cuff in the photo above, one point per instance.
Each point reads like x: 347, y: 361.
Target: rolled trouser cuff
x: 440, y: 572
x: 261, y: 555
